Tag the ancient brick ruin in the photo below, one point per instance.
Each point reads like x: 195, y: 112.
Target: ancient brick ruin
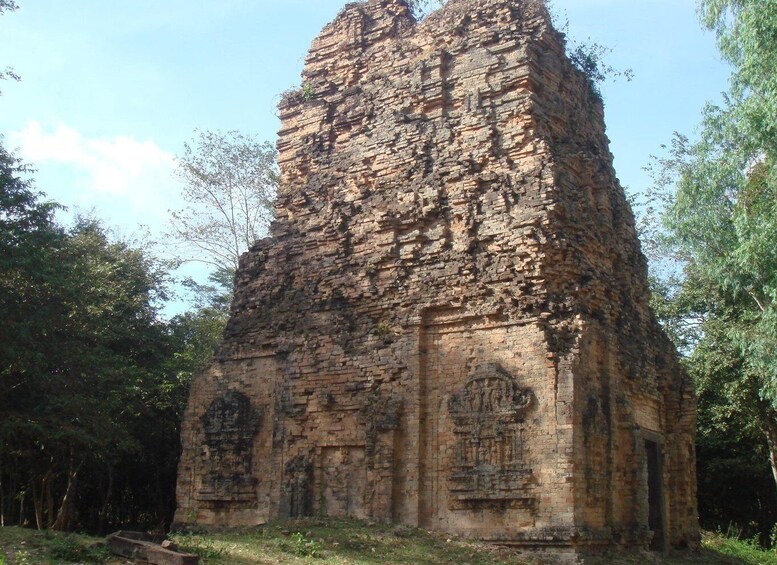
x: 449, y: 327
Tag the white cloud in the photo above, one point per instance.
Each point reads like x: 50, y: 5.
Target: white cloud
x: 114, y: 165
x: 126, y: 181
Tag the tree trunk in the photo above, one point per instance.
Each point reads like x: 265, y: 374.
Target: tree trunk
x: 48, y: 479
x: 8, y: 508
x: 22, y: 519
x: 2, y: 493
x: 64, y: 521
x: 106, y: 502
x: 44, y: 513
x: 37, y: 504
x: 769, y: 428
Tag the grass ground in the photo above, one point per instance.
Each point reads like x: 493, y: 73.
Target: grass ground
x: 19, y: 546
x: 340, y: 542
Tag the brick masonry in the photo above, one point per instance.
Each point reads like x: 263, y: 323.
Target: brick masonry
x: 449, y: 325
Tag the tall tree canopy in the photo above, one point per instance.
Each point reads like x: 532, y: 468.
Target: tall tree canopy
x: 229, y: 186
x: 92, y: 382
x: 722, y: 223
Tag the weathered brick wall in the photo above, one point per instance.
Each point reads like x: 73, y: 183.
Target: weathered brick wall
x: 449, y: 325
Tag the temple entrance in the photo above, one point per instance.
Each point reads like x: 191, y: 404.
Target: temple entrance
x: 655, y: 494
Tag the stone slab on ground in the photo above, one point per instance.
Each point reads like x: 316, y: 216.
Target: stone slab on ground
x: 137, y: 545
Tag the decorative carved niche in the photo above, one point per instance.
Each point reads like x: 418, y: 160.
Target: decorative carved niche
x: 343, y: 481
x: 489, y: 468
x: 297, y: 488
x: 381, y: 413
x: 229, y: 426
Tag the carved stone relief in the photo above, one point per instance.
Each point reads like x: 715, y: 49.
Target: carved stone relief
x: 297, y: 489
x: 229, y: 426
x: 381, y: 413
x: 343, y: 482
x: 489, y: 465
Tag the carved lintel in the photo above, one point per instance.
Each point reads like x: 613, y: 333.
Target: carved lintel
x: 490, y: 390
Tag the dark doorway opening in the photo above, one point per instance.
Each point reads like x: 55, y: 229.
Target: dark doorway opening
x: 655, y: 494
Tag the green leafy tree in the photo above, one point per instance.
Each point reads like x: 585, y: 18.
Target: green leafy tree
x: 735, y: 485
x: 26, y: 233
x: 92, y: 382
x: 719, y: 286
x: 197, y: 334
x: 80, y: 357
x: 724, y: 215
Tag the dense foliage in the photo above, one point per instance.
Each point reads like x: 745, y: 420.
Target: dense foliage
x: 92, y: 381
x: 720, y: 302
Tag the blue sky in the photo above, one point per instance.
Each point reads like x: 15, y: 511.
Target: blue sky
x: 110, y: 91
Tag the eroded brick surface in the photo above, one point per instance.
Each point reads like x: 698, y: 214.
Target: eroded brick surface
x: 449, y: 325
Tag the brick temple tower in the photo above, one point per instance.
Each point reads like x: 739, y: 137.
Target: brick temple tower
x: 449, y: 325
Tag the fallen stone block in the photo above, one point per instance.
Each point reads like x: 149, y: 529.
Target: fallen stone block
x: 140, y: 546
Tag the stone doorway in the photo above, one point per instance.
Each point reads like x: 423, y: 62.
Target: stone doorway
x: 655, y: 494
